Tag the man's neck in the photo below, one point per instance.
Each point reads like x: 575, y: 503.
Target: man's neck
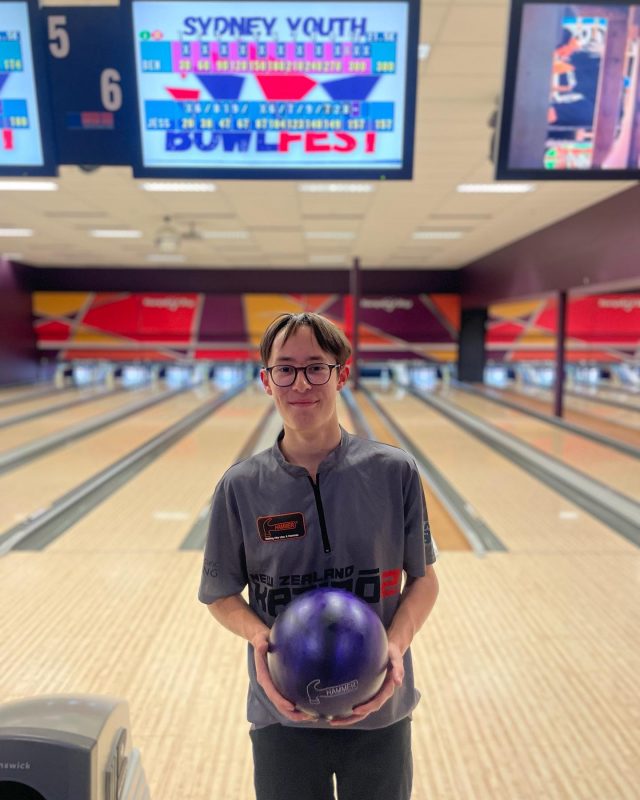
x: 309, y: 449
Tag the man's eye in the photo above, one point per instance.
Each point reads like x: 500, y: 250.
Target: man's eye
x: 315, y: 368
x: 284, y: 370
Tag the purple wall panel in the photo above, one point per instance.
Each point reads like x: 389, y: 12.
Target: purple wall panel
x: 404, y: 317
x: 222, y: 319
x: 18, y: 356
x: 396, y: 355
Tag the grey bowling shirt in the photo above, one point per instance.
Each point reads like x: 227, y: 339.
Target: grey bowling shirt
x: 359, y: 527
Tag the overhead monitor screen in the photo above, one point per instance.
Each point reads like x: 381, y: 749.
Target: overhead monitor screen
x: 571, y: 96
x: 23, y: 150
x: 275, y: 90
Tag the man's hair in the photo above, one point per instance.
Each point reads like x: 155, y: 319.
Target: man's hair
x: 330, y: 338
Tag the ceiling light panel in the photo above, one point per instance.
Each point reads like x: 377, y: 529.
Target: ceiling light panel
x: 115, y: 234
x: 444, y: 235
x: 336, y: 188
x: 495, y: 188
x: 28, y: 186
x: 329, y: 235
x: 16, y: 232
x: 177, y: 186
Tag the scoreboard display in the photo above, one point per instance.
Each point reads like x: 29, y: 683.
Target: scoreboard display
x: 279, y: 89
x: 25, y: 145
x: 571, y: 99
x: 203, y: 88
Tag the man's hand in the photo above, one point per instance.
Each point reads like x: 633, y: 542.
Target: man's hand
x: 260, y: 643
x: 394, y: 678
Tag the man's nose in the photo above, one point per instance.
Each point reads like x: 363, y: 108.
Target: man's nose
x: 301, y: 381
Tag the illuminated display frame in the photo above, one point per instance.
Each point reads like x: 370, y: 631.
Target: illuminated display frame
x: 37, y: 43
x: 319, y: 172
x: 504, y: 169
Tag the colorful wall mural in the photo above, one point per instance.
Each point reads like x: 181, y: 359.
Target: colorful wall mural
x: 174, y: 327
x: 601, y: 328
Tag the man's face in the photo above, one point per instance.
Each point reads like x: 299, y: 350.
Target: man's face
x: 304, y: 406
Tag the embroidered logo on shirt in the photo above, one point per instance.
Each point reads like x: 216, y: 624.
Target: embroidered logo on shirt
x: 281, y: 526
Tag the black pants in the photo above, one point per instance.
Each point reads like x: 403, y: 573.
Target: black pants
x: 299, y: 763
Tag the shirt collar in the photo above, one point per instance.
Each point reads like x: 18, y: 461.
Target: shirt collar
x: 329, y: 462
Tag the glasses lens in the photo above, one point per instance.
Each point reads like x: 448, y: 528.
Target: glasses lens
x: 318, y: 373
x: 283, y: 376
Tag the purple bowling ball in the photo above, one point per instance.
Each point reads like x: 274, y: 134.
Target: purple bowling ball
x: 328, y: 652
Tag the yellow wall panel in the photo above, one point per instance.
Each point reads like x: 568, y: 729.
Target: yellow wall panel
x: 58, y: 304
x: 261, y: 309
x: 515, y: 310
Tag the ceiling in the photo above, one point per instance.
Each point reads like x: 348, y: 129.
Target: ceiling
x: 273, y: 224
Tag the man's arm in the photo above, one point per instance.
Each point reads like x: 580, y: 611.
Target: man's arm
x: 418, y: 598
x: 235, y: 614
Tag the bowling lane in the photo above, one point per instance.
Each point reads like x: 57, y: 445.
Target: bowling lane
x: 344, y: 416
x: 157, y: 508
x: 621, y: 433
x: 626, y: 421
x: 446, y: 533
x: 13, y: 394
x: 608, y: 394
x: 34, y: 486
x: 617, y: 470
x: 26, y: 432
x: 51, y: 402
x: 525, y: 514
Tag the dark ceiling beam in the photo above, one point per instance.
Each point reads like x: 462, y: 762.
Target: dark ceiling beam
x: 236, y: 281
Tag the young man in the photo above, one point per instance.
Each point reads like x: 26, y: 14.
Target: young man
x: 356, y: 519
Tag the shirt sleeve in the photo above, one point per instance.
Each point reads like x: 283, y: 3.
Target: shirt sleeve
x: 224, y: 571
x: 419, y: 546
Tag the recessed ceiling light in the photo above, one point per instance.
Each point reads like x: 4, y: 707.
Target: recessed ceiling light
x: 336, y: 187
x: 329, y: 235
x: 103, y: 233
x: 423, y: 51
x: 224, y: 234
x: 166, y: 258
x: 177, y: 186
x: 497, y: 188
x: 437, y: 235
x: 11, y: 232
x: 28, y: 186
x: 326, y: 259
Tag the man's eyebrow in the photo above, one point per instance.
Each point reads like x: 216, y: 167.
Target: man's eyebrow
x: 306, y: 358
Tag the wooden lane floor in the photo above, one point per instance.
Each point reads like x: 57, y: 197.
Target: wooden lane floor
x: 12, y: 393
x: 527, y: 666
x: 619, y: 471
x: 344, y: 416
x: 526, y: 515
x: 617, y: 394
x: 156, y: 509
x: 446, y: 533
x: 606, y: 427
x: 36, y: 485
x: 529, y: 671
x: 56, y: 421
x: 623, y: 423
x: 528, y: 678
x: 49, y: 401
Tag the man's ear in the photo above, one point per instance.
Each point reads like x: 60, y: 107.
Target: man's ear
x: 264, y: 377
x: 343, y: 376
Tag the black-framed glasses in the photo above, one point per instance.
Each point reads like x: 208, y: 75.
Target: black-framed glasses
x: 315, y: 374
